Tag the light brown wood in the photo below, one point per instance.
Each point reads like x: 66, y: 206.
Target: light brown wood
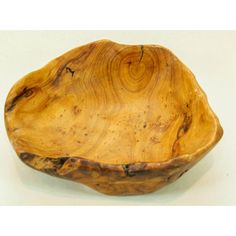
x: 103, y: 113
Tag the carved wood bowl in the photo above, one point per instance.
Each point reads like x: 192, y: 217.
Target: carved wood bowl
x: 122, y: 119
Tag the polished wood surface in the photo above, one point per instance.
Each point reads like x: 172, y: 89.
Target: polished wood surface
x: 114, y: 117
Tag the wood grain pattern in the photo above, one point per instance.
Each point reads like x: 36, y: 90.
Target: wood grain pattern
x: 121, y: 119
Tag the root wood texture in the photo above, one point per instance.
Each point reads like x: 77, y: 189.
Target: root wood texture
x: 121, y: 119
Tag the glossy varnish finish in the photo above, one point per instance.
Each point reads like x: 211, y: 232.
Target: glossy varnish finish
x: 121, y: 119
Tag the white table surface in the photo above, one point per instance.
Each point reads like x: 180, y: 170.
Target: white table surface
x: 211, y: 55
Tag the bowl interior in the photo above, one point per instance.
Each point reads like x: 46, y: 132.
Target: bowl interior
x: 111, y: 103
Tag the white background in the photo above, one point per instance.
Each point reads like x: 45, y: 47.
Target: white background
x: 211, y: 55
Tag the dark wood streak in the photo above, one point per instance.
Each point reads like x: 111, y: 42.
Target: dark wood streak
x: 48, y: 165
x: 181, y: 131
x: 25, y: 156
x: 26, y: 92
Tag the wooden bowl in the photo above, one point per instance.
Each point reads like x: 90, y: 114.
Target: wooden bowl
x: 122, y: 119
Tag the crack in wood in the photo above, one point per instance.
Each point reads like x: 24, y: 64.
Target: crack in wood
x: 68, y: 69
x: 142, y: 52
